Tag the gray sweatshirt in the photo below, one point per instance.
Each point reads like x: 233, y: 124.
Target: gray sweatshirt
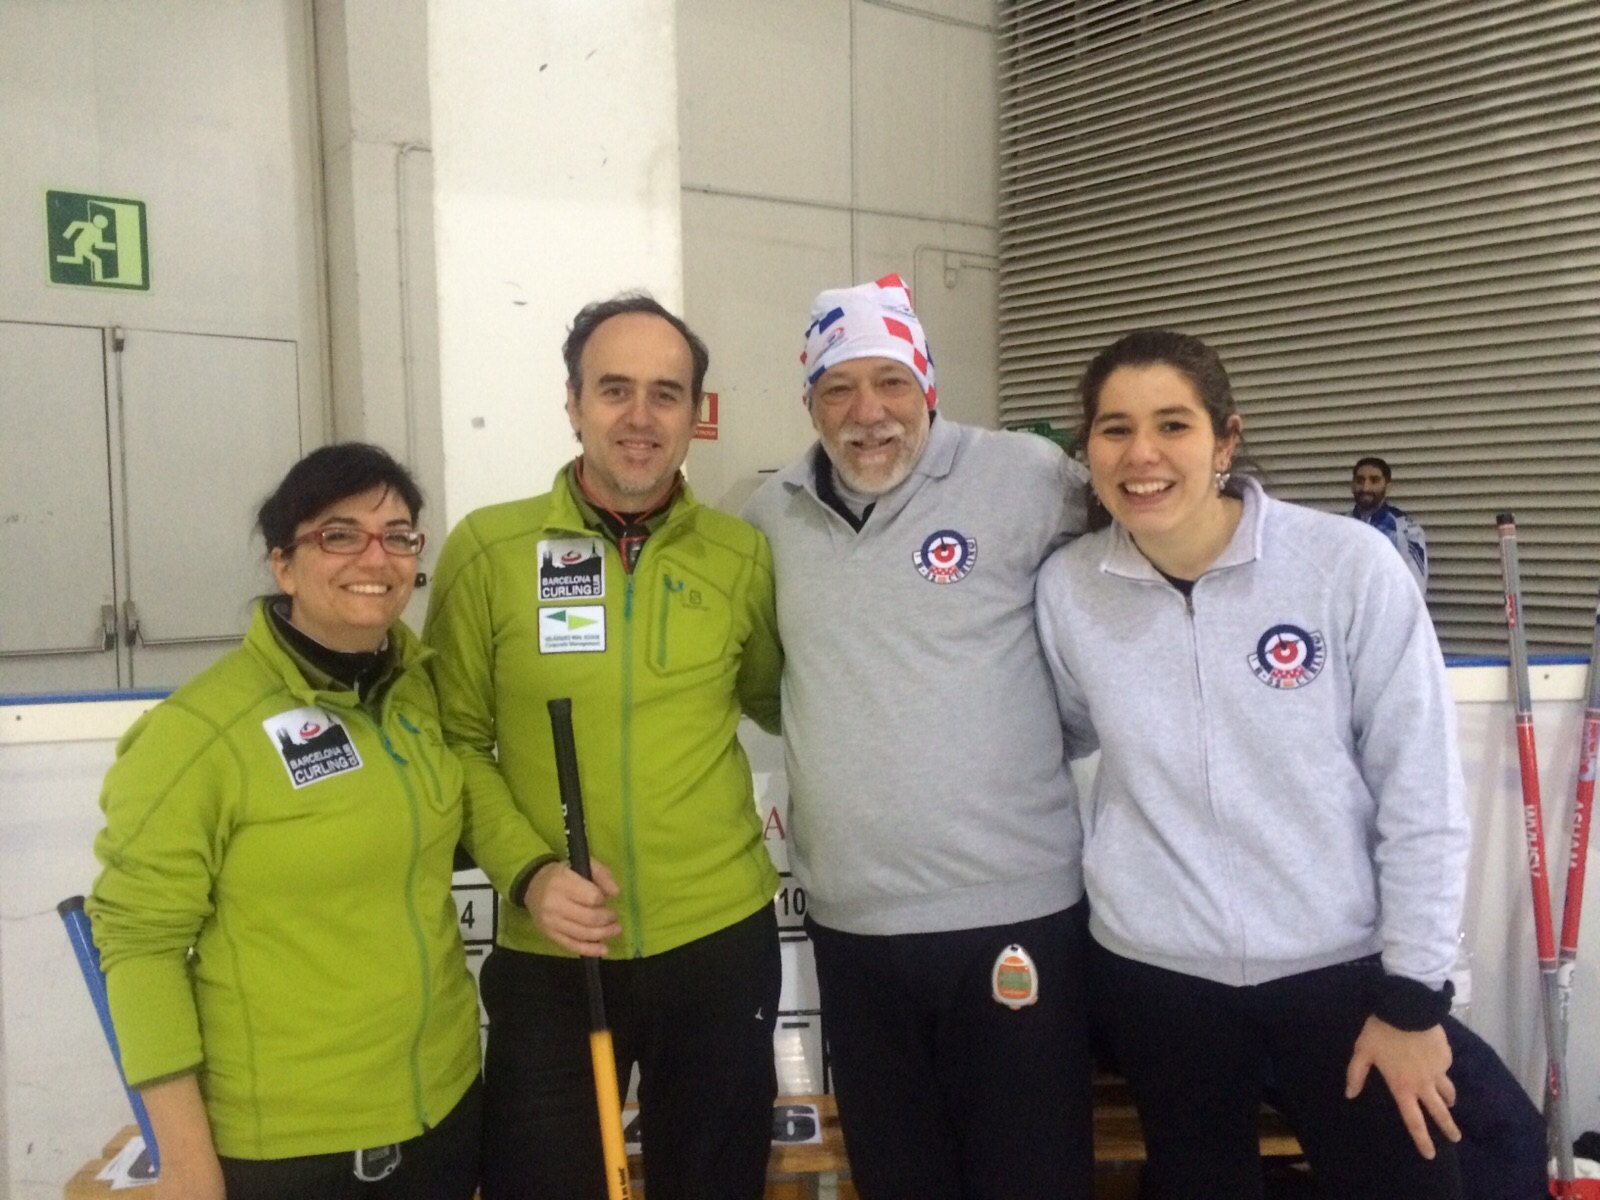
x: 1279, y: 787
x: 927, y: 782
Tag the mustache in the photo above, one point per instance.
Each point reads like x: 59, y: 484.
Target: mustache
x: 878, y: 430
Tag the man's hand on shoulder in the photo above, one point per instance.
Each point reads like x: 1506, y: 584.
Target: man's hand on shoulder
x: 572, y: 911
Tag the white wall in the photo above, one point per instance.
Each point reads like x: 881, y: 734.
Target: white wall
x: 826, y: 144
x: 555, y: 134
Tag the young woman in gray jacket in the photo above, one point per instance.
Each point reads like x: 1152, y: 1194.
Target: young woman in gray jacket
x: 1276, y: 842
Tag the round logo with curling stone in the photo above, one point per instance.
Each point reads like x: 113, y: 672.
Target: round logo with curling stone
x: 946, y: 556
x: 1288, y: 657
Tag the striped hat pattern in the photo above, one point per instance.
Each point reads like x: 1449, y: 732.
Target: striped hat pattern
x: 873, y: 320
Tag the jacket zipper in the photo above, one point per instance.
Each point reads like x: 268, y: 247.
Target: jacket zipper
x: 666, y: 607
x: 434, y: 786
x: 627, y: 762
x: 625, y: 723
x: 1205, y: 754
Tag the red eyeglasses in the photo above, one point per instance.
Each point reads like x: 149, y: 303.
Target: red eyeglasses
x: 347, y: 539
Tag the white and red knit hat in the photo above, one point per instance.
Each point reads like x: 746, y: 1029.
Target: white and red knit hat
x: 874, y: 320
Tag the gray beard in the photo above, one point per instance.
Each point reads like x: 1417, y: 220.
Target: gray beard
x: 851, y: 489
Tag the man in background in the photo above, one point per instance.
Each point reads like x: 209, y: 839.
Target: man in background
x: 1369, y: 484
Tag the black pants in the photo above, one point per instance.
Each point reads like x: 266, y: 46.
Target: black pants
x: 944, y: 1093
x: 698, y: 1021
x: 1197, y: 1055
x: 440, y: 1164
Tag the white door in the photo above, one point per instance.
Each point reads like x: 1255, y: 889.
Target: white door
x: 57, y: 586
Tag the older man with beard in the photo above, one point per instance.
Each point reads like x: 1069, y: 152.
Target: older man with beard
x: 934, y: 824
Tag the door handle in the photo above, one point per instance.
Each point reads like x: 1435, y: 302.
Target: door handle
x: 135, y: 635
x: 106, y: 641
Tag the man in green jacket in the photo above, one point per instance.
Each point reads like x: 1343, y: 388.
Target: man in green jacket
x: 655, y: 616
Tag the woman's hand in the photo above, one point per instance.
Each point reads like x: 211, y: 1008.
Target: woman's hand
x: 189, y: 1166
x: 570, y: 910
x: 1415, y: 1067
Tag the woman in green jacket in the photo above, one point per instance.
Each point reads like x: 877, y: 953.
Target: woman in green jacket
x: 274, y: 915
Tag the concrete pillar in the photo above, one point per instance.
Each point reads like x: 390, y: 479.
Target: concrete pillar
x: 372, y: 76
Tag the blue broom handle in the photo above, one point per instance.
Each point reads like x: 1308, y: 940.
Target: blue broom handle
x: 82, y: 938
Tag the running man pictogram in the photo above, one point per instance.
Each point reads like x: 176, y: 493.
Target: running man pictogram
x: 97, y: 241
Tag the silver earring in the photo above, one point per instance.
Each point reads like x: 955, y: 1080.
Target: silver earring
x: 1221, y: 479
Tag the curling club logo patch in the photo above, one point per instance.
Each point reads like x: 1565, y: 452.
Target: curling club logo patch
x: 312, y: 743
x: 1287, y: 657
x: 571, y: 569
x: 947, y: 556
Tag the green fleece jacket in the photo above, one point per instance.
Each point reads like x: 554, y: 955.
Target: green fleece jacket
x: 275, y: 904
x: 530, y: 602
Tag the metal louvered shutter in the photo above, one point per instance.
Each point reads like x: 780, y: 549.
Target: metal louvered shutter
x: 1383, y: 215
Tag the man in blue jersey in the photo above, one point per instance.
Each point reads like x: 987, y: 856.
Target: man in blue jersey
x: 1369, y: 484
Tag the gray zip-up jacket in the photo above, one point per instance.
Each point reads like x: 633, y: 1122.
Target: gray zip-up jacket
x: 928, y: 790
x: 1279, y: 788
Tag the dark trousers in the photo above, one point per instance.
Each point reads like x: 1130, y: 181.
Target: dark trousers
x: 440, y: 1164
x: 698, y: 1021
x: 1197, y: 1055
x: 945, y: 1093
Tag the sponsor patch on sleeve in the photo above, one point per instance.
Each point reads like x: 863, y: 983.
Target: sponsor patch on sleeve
x: 313, y: 745
x: 572, y: 569
x: 573, y: 629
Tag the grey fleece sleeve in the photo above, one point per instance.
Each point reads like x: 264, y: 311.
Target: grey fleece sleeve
x: 1404, y: 725
x: 1074, y: 501
x: 1050, y: 606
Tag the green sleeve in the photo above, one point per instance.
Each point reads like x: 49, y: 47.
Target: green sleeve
x: 761, y: 663
x: 167, y: 802
x: 460, y: 628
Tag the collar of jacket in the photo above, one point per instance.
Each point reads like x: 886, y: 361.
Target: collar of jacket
x: 570, y: 514
x: 1126, y: 560
x: 1384, y: 511
x: 311, y: 685
x: 938, y: 456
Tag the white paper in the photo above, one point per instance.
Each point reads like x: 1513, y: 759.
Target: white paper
x: 130, y: 1168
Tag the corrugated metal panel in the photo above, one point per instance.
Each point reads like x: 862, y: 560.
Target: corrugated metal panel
x: 1383, y: 214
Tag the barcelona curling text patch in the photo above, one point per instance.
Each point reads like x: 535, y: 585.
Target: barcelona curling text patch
x: 571, y: 569
x: 1287, y: 657
x: 947, y: 556
x: 314, y: 745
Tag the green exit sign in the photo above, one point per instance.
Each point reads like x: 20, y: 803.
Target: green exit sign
x: 97, y: 241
